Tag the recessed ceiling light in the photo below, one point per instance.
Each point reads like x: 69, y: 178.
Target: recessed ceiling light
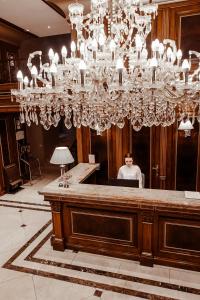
x: 49, y: 27
x: 27, y: 29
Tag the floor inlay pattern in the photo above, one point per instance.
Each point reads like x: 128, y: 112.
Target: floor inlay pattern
x: 20, y: 205
x: 28, y: 259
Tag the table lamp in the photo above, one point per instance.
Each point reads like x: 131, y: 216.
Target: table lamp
x: 62, y: 156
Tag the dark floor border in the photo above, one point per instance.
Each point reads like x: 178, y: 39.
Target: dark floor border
x: 25, y: 207
x: 19, y: 202
x: 171, y: 286
x: 102, y: 286
x: 126, y: 291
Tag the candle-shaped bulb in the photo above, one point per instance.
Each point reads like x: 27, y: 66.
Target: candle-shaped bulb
x: 112, y: 45
x: 138, y: 42
x: 82, y: 68
x: 172, y: 57
x: 169, y: 52
x: 179, y: 54
x: 161, y: 49
x: 53, y: 69
x: 155, y: 45
x: 73, y: 46
x: 119, y: 64
x: 186, y: 68
x: 82, y: 49
x: 64, y: 52
x: 153, y: 63
x: 51, y: 54
x: 19, y: 76
x: 119, y: 67
x: 34, y: 71
x: 144, y: 53
x: 26, y: 81
x: 82, y: 65
x: 56, y: 58
x: 185, y: 65
x: 94, y: 45
x: 101, y: 40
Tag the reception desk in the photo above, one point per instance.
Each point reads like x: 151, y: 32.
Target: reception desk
x: 152, y: 226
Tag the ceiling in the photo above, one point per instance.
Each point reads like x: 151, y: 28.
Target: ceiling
x: 41, y: 17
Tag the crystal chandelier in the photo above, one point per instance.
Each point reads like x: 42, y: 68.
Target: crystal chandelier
x: 109, y: 74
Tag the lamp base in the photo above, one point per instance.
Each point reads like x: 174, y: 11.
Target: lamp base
x: 63, y: 184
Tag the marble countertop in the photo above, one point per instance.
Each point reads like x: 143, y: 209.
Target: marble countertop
x: 123, y: 195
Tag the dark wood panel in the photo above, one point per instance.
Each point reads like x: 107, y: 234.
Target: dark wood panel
x: 102, y: 225
x: 179, y: 239
x: 182, y: 236
x: 190, y: 37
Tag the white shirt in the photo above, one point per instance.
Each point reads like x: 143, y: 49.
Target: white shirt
x: 132, y: 172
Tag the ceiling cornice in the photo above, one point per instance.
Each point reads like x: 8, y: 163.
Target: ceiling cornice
x: 55, y: 8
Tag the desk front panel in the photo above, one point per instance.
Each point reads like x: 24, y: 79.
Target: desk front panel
x: 101, y: 231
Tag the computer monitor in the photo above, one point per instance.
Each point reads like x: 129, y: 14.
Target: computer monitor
x: 124, y: 182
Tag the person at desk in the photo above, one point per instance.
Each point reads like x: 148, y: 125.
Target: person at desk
x: 129, y: 170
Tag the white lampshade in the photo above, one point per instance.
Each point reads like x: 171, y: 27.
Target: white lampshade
x: 62, y: 156
x: 187, y: 125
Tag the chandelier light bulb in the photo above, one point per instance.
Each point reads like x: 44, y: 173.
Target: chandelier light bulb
x: 179, y: 54
x: 64, y: 52
x: 51, y: 54
x: 185, y: 65
x: 82, y: 68
x: 56, y: 58
x: 26, y: 81
x: 119, y: 64
x: 154, y: 63
x: 73, y: 46
x: 82, y: 65
x: 34, y: 71
x: 138, y: 42
x: 94, y: 45
x: 169, y: 52
x: 82, y: 48
x: 172, y: 57
x: 161, y: 49
x: 19, y: 76
x: 101, y: 40
x: 156, y: 44
x: 53, y: 69
x: 144, y: 53
x: 112, y: 45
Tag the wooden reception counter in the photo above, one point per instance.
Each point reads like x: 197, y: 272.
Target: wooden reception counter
x: 152, y: 226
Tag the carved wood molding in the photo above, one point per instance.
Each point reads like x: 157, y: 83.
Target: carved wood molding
x: 147, y: 217
x: 56, y: 206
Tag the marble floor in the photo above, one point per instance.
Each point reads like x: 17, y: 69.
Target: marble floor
x: 31, y: 270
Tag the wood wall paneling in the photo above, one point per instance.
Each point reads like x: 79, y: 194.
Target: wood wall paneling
x: 141, y: 151
x: 187, y: 153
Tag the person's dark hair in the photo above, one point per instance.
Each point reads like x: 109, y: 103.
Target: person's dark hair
x: 128, y: 155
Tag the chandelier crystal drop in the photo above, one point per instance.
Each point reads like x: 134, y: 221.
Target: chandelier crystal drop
x: 109, y: 74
